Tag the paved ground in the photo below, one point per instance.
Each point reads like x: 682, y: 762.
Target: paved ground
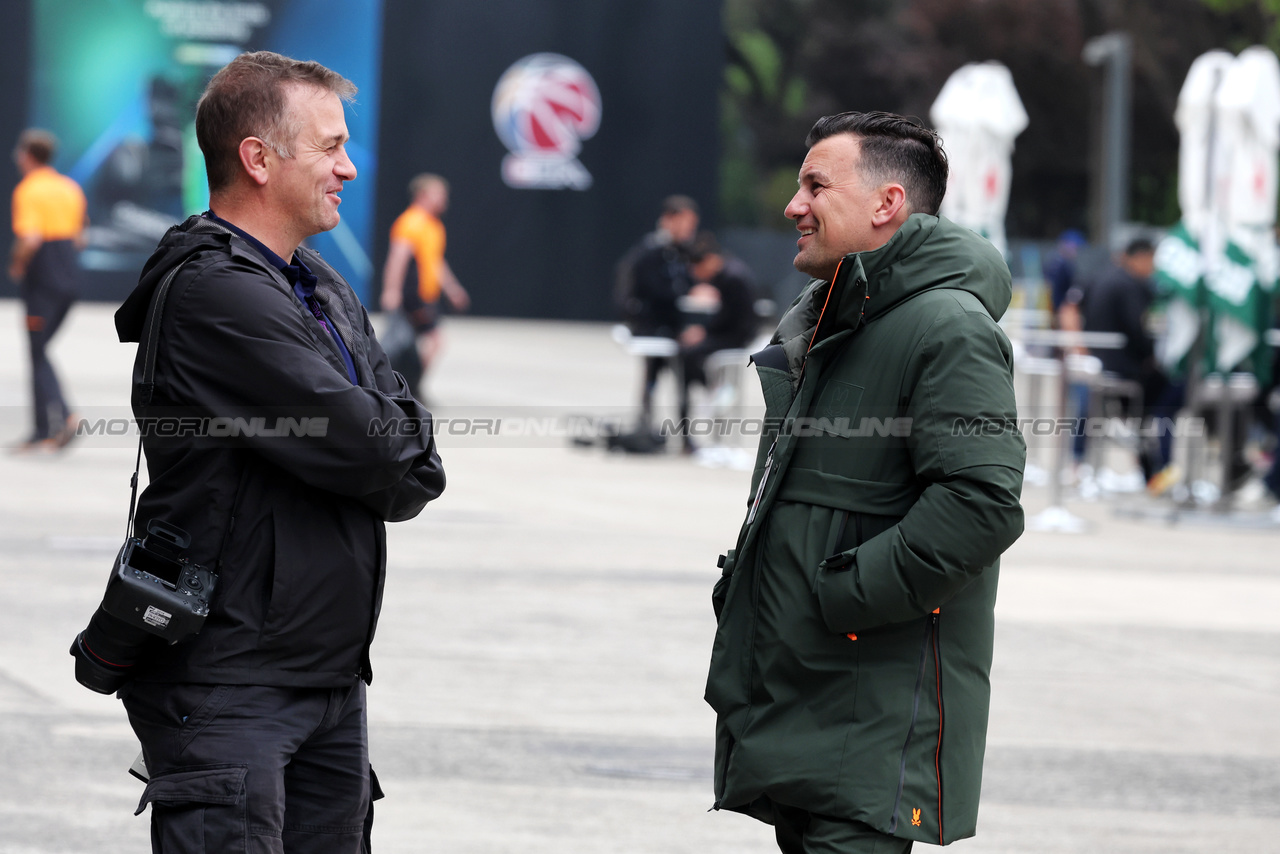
x: 543, y: 646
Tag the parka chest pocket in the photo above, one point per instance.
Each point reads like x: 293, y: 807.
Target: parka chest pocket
x: 835, y: 412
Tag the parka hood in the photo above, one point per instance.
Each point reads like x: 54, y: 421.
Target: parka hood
x: 930, y: 252
x: 926, y: 253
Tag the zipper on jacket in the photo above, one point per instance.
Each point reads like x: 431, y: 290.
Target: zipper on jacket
x: 231, y: 516
x: 764, y: 480
x: 937, y: 753
x: 930, y: 624
x: 724, y: 774
x: 756, y: 581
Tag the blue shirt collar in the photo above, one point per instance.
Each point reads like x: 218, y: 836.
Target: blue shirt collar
x: 304, y: 287
x: 298, y: 274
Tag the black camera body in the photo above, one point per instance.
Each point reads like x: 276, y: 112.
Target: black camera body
x: 155, y: 588
x: 154, y: 592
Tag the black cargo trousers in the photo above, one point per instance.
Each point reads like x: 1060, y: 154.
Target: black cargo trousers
x: 254, y: 769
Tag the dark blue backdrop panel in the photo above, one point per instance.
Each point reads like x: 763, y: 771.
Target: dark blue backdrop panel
x: 549, y: 252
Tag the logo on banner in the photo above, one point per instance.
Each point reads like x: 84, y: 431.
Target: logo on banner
x: 544, y: 106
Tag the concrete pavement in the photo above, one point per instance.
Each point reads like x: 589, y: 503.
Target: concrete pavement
x: 544, y: 641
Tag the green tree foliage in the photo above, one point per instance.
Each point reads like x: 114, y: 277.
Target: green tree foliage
x: 1268, y: 11
x: 791, y: 61
x: 764, y: 106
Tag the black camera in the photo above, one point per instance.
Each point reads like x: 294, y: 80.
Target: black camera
x: 154, y: 592
x: 156, y: 589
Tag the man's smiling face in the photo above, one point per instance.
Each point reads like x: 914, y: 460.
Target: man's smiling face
x: 833, y: 208
x: 309, y: 182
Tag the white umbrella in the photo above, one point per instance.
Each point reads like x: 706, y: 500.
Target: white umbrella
x: 978, y: 114
x: 1199, y: 129
x: 1223, y: 253
x: 1240, y: 278
x: 1249, y: 108
x: 1180, y: 256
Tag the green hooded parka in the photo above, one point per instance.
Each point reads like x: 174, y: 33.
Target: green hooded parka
x: 850, y: 670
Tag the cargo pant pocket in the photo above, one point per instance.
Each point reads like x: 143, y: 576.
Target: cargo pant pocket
x: 198, y: 810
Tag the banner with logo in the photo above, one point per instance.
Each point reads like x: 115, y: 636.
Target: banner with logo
x: 1240, y: 288
x: 118, y: 82
x: 1220, y: 262
x: 560, y: 126
x: 1179, y: 277
x: 1235, y: 287
x: 544, y: 107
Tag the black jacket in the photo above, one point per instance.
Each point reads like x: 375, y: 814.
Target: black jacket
x: 289, y: 513
x: 652, y: 276
x: 1118, y: 301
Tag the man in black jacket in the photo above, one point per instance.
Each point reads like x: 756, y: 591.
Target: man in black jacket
x: 651, y: 278
x: 254, y: 730
x: 1118, y: 300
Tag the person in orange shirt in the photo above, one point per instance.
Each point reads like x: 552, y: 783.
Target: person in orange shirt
x: 419, y: 234
x: 48, y: 225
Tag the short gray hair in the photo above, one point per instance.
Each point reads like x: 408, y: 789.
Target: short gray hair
x: 248, y: 98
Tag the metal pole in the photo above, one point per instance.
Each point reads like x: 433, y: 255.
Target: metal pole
x: 1115, y: 52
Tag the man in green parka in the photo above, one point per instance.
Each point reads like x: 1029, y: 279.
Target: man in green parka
x: 850, y: 670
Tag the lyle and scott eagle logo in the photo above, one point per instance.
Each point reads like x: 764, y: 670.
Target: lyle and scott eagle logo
x: 915, y: 818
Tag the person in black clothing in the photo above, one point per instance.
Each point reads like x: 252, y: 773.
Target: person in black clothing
x: 1118, y: 301
x: 253, y: 731
x: 652, y: 276
x: 725, y: 282
x: 1060, y: 266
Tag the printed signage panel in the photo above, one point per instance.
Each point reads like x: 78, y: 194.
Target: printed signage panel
x: 118, y: 83
x: 560, y: 125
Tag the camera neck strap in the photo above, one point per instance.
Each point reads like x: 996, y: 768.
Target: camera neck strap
x: 146, y: 389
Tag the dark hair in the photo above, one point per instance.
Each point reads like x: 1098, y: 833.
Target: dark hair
x: 1139, y: 246
x: 247, y: 98
x: 894, y: 148
x: 703, y: 245
x: 677, y: 204
x: 38, y: 144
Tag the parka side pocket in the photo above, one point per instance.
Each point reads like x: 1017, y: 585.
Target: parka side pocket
x: 834, y: 586
x: 835, y: 538
x: 720, y: 592
x: 200, y: 809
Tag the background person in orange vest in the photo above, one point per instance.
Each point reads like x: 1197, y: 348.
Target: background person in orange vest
x: 419, y: 234
x: 48, y: 224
